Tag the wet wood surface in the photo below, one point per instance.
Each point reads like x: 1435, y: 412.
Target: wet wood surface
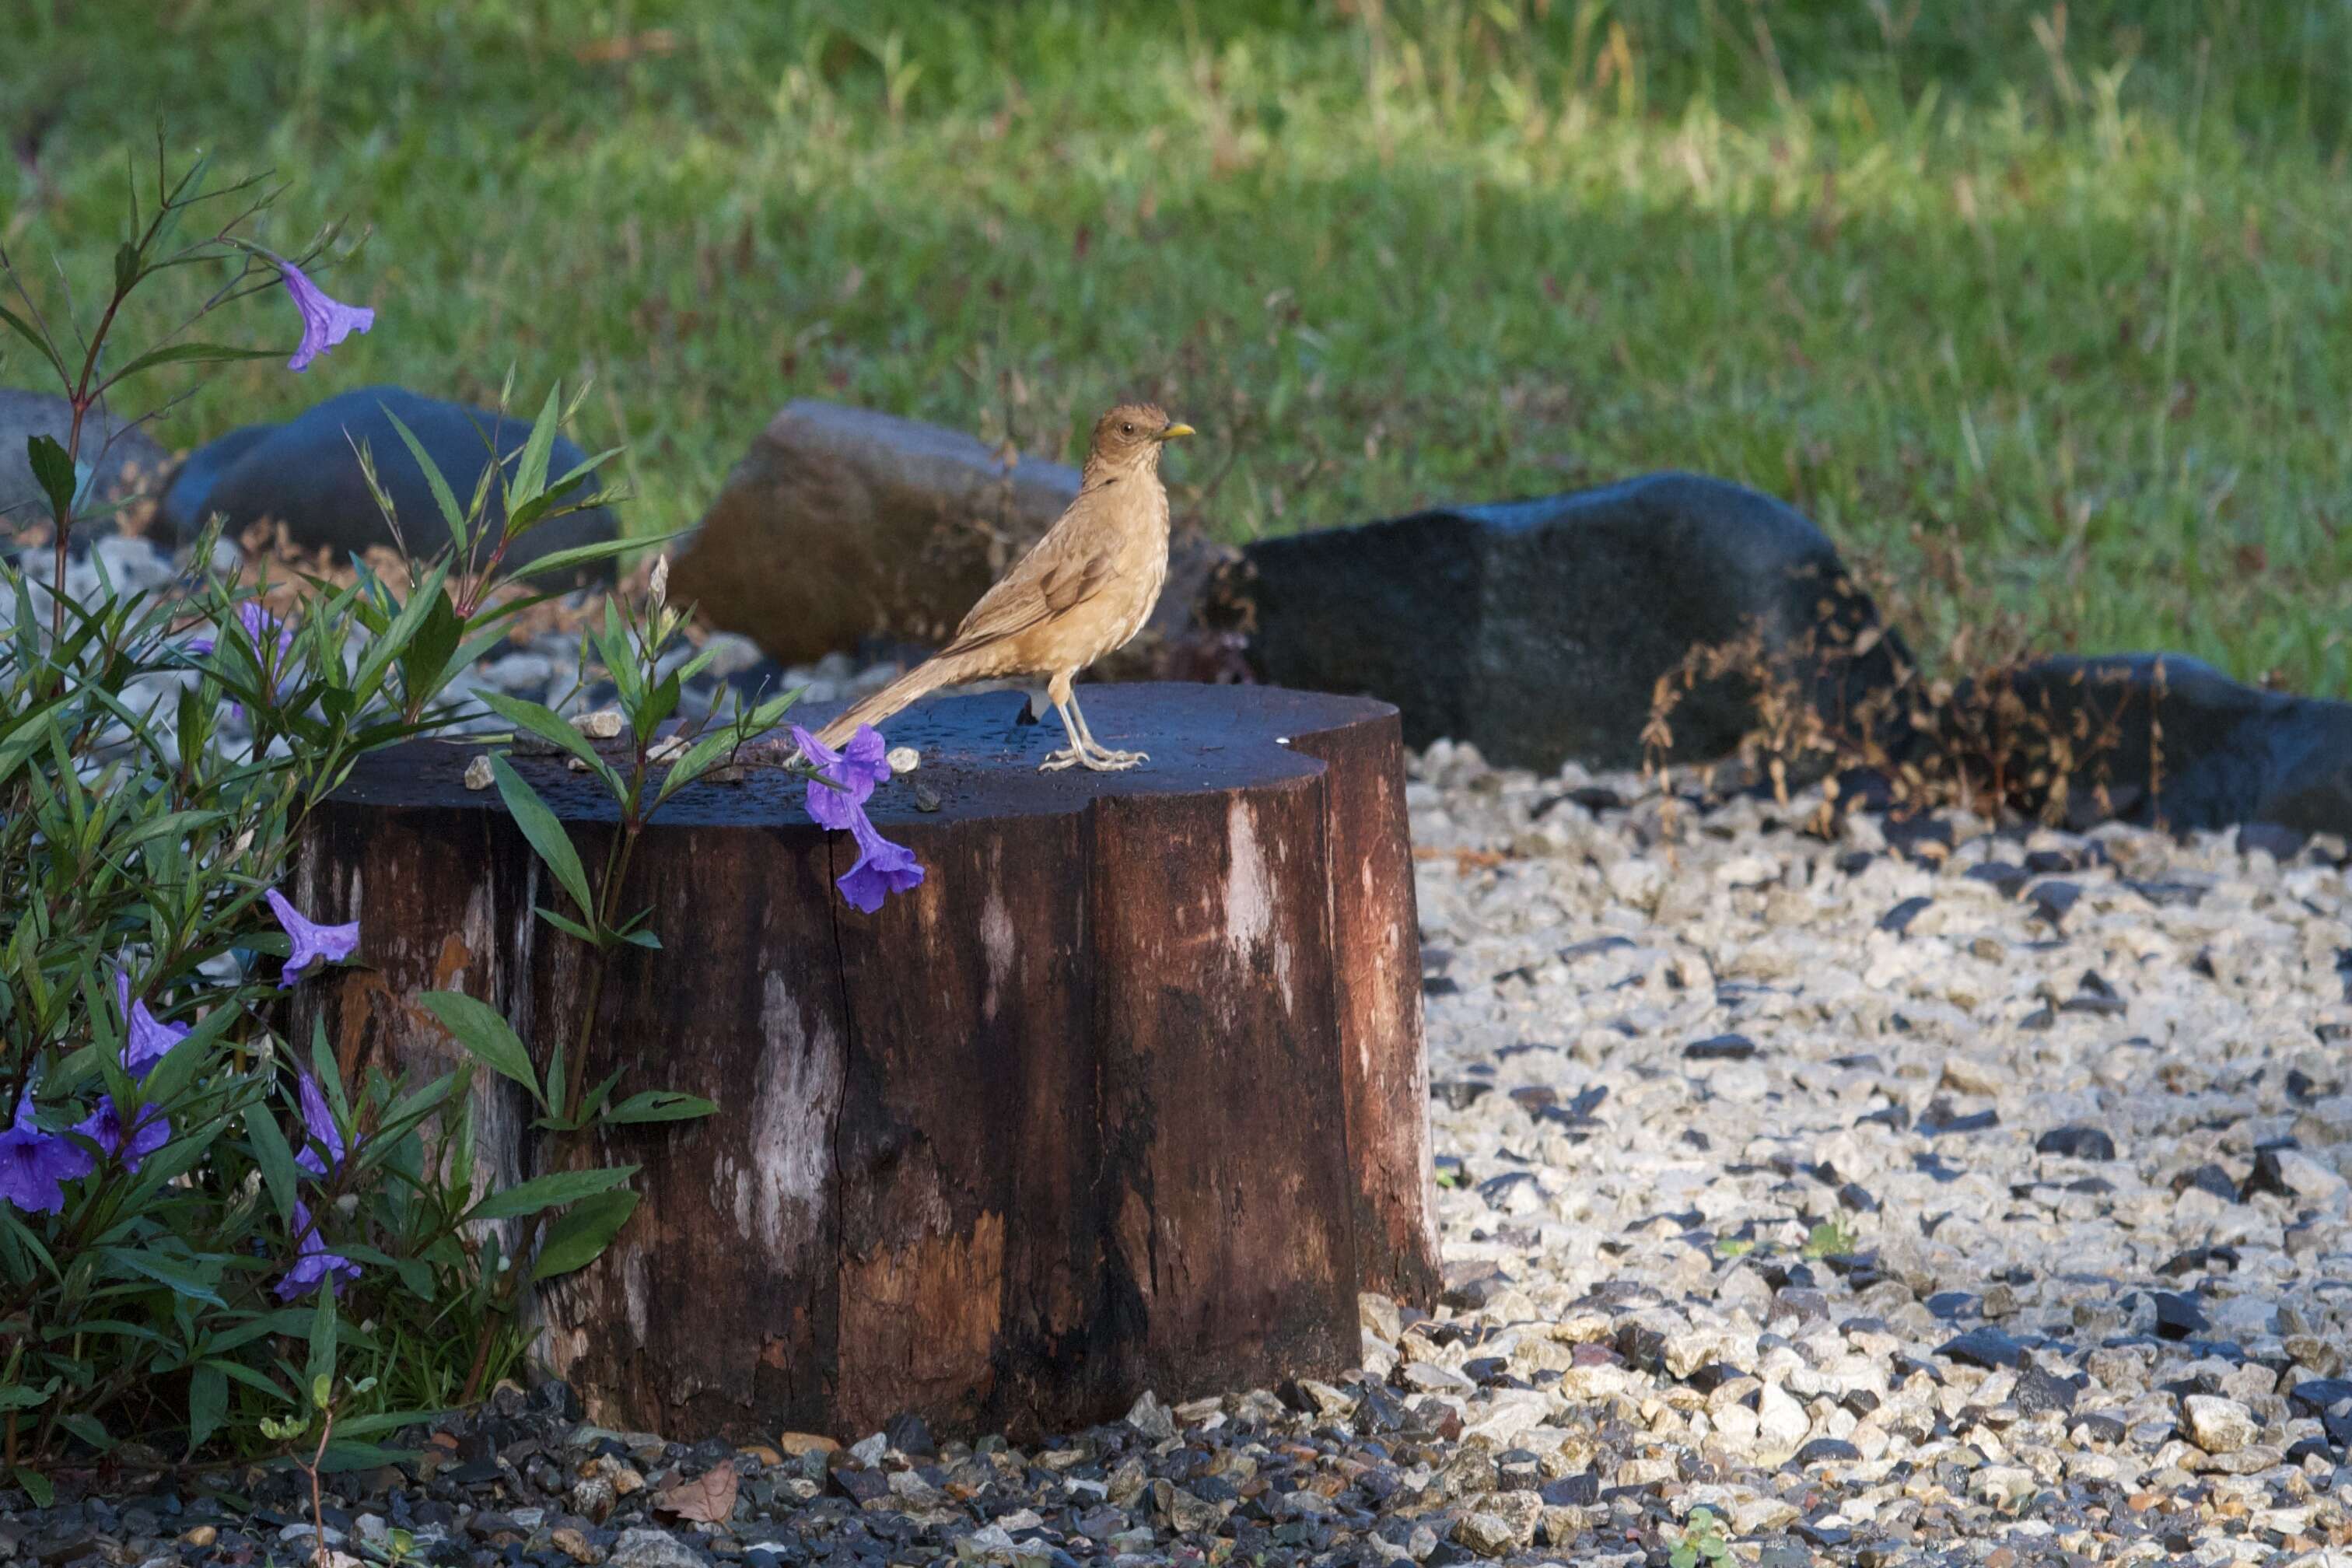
x: 1129, y: 1094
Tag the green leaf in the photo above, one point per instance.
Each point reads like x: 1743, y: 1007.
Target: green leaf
x: 190, y: 354
x: 321, y: 1369
x: 55, y: 471
x: 272, y: 1155
x: 660, y: 1105
x: 426, y: 656
x: 581, y: 1236
x: 37, y: 1487
x: 579, y: 556
x: 491, y: 1040
x: 442, y: 498
x: 546, y: 834
x: 565, y: 924
x: 555, y: 729
x: 22, y: 1396
x: 546, y: 1192
x: 25, y: 329
x: 147, y: 1261
x: 207, y: 1404
x: 531, y: 470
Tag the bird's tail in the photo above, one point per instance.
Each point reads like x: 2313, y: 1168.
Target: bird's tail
x: 918, y: 682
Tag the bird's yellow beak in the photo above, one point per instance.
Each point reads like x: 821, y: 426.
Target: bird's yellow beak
x: 1174, y: 431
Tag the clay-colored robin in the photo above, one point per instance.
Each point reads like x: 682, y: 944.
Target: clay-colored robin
x: 1082, y: 591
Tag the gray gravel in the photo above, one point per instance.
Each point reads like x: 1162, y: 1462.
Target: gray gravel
x: 1982, y: 1202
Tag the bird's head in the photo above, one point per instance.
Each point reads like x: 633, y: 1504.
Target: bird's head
x: 1128, y: 439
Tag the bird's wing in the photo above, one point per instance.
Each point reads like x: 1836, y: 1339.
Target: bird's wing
x: 1063, y: 570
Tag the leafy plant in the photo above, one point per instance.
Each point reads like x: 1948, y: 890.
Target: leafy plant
x: 178, y: 1176
x: 1702, y: 1540
x: 1830, y: 1238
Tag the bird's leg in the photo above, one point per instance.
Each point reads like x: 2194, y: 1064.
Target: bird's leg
x: 1072, y: 754
x: 1101, y: 757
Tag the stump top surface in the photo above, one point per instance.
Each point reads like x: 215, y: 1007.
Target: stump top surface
x: 980, y: 757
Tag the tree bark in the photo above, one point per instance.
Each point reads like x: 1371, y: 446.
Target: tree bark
x: 1129, y: 1094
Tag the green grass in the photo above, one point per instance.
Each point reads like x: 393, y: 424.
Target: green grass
x: 2045, y: 320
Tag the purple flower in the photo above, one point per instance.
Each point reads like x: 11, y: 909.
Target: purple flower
x: 312, y: 939
x: 148, y: 1040
x: 103, y: 1127
x: 319, y: 1132
x: 325, y: 322
x: 259, y: 624
x: 34, y: 1163
x: 856, y: 768
x: 313, y: 1264
x: 883, y: 867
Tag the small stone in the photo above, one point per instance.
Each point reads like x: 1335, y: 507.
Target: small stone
x: 644, y: 1548
x: 1151, y: 1418
x: 1986, y: 1347
x: 903, y: 760
x: 2216, y: 1425
x: 200, y: 1536
x: 605, y: 724
x: 869, y: 1450
x: 480, y: 774
x: 798, y: 1444
x: 572, y: 1545
x: 1899, y: 920
x: 1780, y: 1421
x: 2076, y: 1143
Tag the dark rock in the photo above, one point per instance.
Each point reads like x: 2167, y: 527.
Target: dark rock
x: 910, y: 1434
x: 1927, y: 839
x: 2052, y: 901
x: 124, y: 462
x: 2076, y: 1143
x: 1855, y: 1198
x: 306, y: 475
x: 2038, y: 1392
x: 1951, y: 1306
x: 1545, y: 624
x: 1854, y: 862
x: 2177, y: 1317
x: 1721, y: 1048
x: 1828, y: 1451
x: 2320, y: 1395
x: 2280, y: 842
x: 2193, y: 749
x: 1458, y: 1093
x: 2211, y: 1178
x: 1592, y: 945
x: 2266, y: 1177
x: 2093, y: 994
x: 2007, y: 879
x: 1985, y: 1346
x: 1940, y: 1118
x: 1899, y: 919
x: 1573, y: 1491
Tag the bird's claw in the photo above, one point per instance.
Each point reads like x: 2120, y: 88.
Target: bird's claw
x: 1097, y: 759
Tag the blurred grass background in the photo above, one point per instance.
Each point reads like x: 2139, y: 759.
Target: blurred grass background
x: 2039, y: 308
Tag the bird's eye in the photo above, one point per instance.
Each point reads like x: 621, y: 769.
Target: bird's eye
x: 1126, y: 429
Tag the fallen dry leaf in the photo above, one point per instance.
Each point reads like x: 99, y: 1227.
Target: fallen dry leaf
x: 708, y: 1501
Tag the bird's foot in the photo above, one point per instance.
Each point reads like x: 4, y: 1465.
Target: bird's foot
x: 1094, y: 759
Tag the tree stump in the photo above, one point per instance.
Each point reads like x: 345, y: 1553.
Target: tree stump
x: 1129, y: 1094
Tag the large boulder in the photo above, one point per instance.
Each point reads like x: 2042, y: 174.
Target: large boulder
x: 1541, y: 629
x: 126, y: 463
x: 305, y: 473
x: 843, y: 524
x: 2157, y: 739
